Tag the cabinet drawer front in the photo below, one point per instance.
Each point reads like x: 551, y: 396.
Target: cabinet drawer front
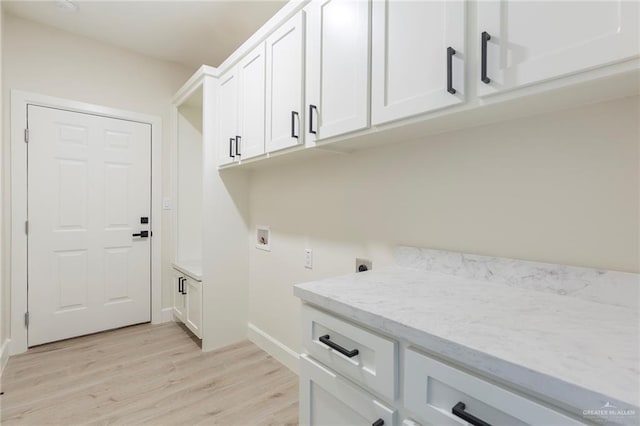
x: 374, y: 366
x: 326, y: 398
x: 432, y: 389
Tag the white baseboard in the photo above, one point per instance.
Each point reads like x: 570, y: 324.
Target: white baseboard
x: 166, y: 315
x: 275, y: 348
x: 4, y: 355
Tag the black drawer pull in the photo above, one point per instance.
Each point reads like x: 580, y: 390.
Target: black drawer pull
x: 231, y: 148
x: 183, y: 291
x: 483, y: 60
x: 450, y: 52
x: 346, y: 352
x: 180, y: 285
x: 458, y: 410
x: 238, y: 138
x: 294, y: 118
x: 378, y: 422
x: 311, y: 109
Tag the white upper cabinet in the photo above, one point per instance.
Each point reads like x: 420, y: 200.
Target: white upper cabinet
x: 418, y: 57
x: 526, y: 42
x: 285, y: 84
x: 228, y: 117
x: 337, y: 74
x: 252, y: 100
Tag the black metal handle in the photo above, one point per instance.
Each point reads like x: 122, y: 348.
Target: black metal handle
x: 184, y: 291
x: 142, y: 234
x: 231, y: 148
x: 180, y: 283
x: 294, y: 116
x: 238, y: 138
x: 450, y: 52
x: 311, y: 109
x: 378, y: 422
x: 483, y: 61
x: 458, y: 410
x: 346, y: 352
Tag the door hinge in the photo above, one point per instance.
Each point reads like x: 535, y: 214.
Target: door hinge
x: 26, y: 135
x: 26, y: 227
x: 26, y: 319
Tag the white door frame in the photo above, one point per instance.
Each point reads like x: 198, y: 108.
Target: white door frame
x: 19, y: 102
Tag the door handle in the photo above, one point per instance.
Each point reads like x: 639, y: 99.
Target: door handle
x: 141, y: 234
x: 311, y: 109
x: 346, y: 352
x: 458, y: 410
x: 238, y: 139
x: 378, y: 422
x: 231, y: 148
x: 483, y: 60
x: 294, y: 117
x: 450, y: 52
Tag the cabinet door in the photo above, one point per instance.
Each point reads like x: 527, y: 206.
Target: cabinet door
x: 327, y: 399
x: 532, y: 41
x: 338, y: 46
x: 228, y: 117
x: 178, y: 297
x: 193, y: 308
x: 252, y: 100
x: 410, y: 56
x: 285, y: 48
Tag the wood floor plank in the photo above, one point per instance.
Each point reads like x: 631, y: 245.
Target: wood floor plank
x: 147, y: 374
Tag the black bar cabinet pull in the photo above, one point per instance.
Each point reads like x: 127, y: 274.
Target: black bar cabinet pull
x: 483, y: 61
x: 141, y: 234
x: 378, y: 422
x: 458, y: 410
x: 311, y: 109
x: 346, y: 352
x: 180, y: 284
x: 238, y: 138
x: 294, y: 116
x: 231, y: 148
x: 184, y: 280
x: 450, y: 52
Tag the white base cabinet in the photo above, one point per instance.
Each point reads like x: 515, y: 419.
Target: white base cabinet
x: 187, y: 301
x: 348, y: 376
x: 327, y: 399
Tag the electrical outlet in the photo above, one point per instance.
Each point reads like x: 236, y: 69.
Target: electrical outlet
x: 363, y: 265
x: 308, y: 258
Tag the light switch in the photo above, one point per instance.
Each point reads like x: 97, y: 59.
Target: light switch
x: 166, y: 203
x: 308, y: 258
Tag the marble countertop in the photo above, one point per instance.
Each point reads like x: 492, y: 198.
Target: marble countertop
x: 578, y: 353
x: 193, y: 268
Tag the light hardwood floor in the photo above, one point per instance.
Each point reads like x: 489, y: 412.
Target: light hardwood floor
x: 147, y: 374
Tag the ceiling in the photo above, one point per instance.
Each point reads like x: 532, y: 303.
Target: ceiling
x: 191, y: 33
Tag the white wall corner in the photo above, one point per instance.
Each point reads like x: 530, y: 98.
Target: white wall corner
x: 281, y: 352
x: 166, y: 315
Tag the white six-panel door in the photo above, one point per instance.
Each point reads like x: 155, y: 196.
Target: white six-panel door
x: 409, y: 57
x: 89, y: 185
x: 532, y: 41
